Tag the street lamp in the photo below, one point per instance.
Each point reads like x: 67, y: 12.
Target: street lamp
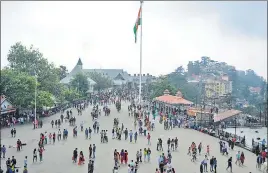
x: 260, y: 114
x: 235, y: 126
x: 35, y: 96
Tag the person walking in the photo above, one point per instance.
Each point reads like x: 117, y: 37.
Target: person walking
x: 149, y: 139
x: 229, y: 164
x: 34, y: 155
x: 94, y: 151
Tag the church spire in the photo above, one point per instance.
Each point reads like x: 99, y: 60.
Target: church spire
x: 79, y: 62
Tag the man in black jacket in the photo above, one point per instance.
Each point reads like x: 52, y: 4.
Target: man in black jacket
x: 75, y: 155
x: 91, y: 166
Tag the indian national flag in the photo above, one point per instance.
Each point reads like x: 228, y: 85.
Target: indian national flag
x: 137, y: 23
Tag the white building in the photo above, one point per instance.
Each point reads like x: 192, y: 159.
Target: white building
x: 118, y: 76
x: 78, y: 69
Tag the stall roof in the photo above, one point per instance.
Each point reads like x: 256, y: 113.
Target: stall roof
x: 170, y: 99
x: 226, y: 114
x: 6, y: 105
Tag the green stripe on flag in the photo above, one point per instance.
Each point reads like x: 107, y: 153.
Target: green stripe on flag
x: 135, y: 29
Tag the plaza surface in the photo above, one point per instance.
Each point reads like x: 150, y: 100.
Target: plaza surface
x: 57, y: 158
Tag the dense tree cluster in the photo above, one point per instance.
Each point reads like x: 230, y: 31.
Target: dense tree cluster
x: 28, y: 69
x: 157, y: 88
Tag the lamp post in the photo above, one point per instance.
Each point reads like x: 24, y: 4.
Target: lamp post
x: 265, y: 114
x: 260, y: 114
x: 235, y: 126
x: 202, y: 109
x: 35, y: 96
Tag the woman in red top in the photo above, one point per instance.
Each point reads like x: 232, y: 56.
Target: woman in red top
x: 122, y: 156
x: 208, y: 150
x: 43, y: 137
x: 126, y: 157
x: 81, y: 158
x: 50, y: 137
x: 40, y: 150
x: 263, y: 155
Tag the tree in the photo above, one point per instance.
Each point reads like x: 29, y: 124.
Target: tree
x: 18, y: 87
x: 157, y: 89
x: 43, y: 99
x: 31, y: 61
x: 62, y: 72
x: 59, y: 93
x: 190, y: 68
x: 102, y: 82
x: 190, y: 91
x: 180, y: 70
x: 71, y: 95
x: 251, y: 110
x: 263, y: 88
x: 232, y: 75
x: 80, y: 83
x: 177, y: 79
x: 205, y: 61
x: 196, y: 68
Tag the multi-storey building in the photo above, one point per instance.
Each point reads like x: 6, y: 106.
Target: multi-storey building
x: 217, y: 87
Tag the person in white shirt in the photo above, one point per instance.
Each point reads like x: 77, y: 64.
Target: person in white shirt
x: 205, y: 163
x: 59, y: 135
x: 131, y: 170
x: 45, y: 137
x: 169, y: 167
x: 25, y: 162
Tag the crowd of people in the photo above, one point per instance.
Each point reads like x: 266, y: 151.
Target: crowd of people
x: 144, y: 119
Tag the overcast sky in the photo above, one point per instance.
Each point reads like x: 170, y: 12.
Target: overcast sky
x: 101, y: 33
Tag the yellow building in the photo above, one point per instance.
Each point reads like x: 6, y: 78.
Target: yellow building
x: 216, y: 88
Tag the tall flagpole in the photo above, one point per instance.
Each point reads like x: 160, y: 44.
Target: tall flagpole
x: 141, y: 23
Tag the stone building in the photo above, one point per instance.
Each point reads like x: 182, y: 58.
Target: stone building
x: 118, y: 76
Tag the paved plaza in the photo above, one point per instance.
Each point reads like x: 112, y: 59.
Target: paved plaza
x: 57, y: 158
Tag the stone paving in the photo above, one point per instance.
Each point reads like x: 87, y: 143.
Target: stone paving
x: 57, y: 158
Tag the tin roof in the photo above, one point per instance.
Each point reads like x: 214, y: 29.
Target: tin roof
x: 226, y: 114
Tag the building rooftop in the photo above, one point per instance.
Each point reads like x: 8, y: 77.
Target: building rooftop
x: 227, y: 114
x: 79, y: 62
x: 111, y: 73
x: 175, y: 100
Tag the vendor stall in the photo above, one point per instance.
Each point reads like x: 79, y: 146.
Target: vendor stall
x: 167, y: 102
x: 7, y: 111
